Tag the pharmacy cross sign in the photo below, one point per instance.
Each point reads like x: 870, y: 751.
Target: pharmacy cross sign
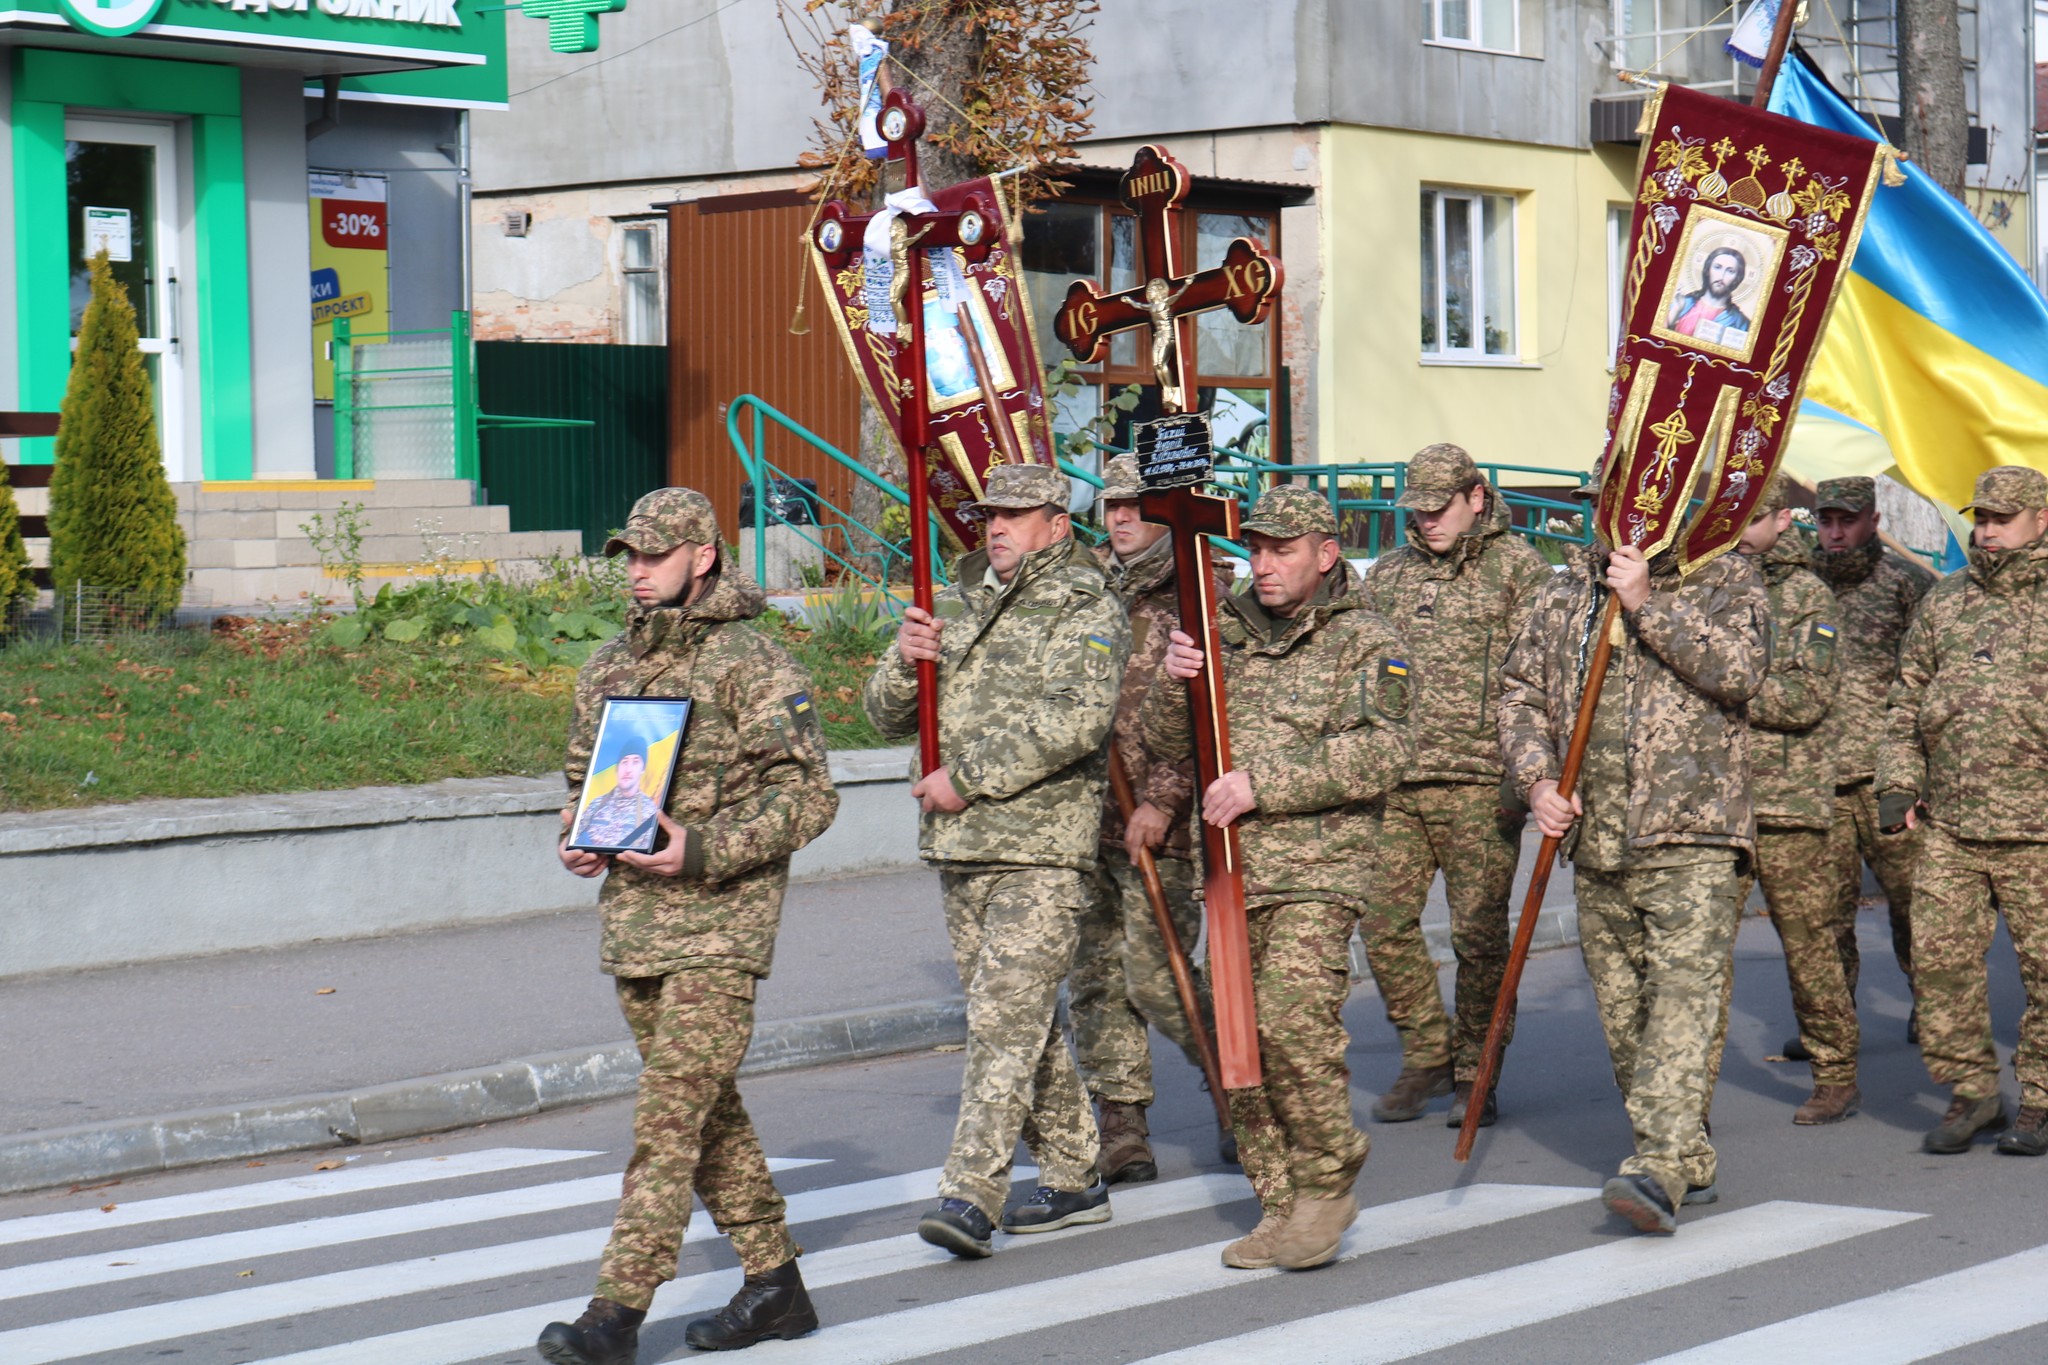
x: 111, y: 18
x: 572, y: 24
x: 1246, y: 282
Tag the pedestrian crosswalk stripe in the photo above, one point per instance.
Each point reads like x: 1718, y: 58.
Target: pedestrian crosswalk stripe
x: 495, y: 1333
x: 1912, y: 1323
x: 356, y: 1178
x: 1465, y: 1310
x: 129, y: 1327
x: 962, y: 1323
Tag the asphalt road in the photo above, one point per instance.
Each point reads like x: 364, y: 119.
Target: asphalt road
x: 1843, y: 1243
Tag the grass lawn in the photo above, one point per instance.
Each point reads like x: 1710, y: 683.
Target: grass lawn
x: 269, y: 708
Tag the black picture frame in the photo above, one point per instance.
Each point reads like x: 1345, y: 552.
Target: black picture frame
x: 651, y: 730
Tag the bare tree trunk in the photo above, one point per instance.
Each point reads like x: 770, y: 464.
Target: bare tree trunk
x: 1931, y: 89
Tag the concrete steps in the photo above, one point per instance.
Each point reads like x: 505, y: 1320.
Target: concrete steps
x: 247, y: 542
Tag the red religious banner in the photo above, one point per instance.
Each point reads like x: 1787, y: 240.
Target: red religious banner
x: 1745, y: 223
x: 866, y: 266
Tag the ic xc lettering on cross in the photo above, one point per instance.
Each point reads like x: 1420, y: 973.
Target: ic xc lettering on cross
x: 1246, y: 282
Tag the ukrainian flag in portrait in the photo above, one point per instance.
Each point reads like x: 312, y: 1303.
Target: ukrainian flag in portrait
x: 1938, y: 341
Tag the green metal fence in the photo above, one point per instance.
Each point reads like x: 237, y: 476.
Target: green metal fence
x: 594, y: 439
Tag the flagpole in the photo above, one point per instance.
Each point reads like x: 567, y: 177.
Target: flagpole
x: 1781, y: 39
x: 1596, y: 678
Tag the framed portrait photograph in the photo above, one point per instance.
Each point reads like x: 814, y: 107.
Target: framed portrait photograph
x: 1716, y: 289
x: 631, y: 767
x: 949, y: 370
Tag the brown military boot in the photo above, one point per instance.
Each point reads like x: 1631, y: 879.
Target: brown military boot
x: 1313, y: 1232
x: 1411, y: 1093
x: 1126, y: 1155
x: 1828, y: 1104
x: 1960, y: 1125
x: 1254, y: 1250
x: 608, y: 1333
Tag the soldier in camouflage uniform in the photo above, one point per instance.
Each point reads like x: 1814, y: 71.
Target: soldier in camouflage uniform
x: 690, y: 927
x: 1876, y: 592
x: 1658, y: 828
x: 1319, y: 694
x: 1121, y: 979
x: 1965, y: 760
x: 1793, y: 783
x: 1030, y: 646
x: 618, y: 818
x: 1457, y: 592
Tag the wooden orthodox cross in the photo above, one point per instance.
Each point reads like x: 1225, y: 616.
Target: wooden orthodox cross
x: 1165, y: 301
x: 973, y: 226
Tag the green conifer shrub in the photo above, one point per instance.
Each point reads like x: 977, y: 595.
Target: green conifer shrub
x: 17, y: 589
x: 113, y: 520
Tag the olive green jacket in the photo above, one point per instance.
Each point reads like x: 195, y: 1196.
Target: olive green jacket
x: 1319, y: 707
x: 1457, y: 612
x: 1028, y: 674
x: 751, y: 784
x: 1967, y: 723
x: 1791, y: 766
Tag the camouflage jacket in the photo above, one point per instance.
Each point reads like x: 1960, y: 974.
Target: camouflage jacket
x: 1319, y: 706
x: 1028, y: 675
x: 1876, y: 592
x: 1457, y: 612
x: 1691, y: 657
x: 1967, y: 727
x: 1147, y: 588
x: 751, y: 784
x: 1792, y: 771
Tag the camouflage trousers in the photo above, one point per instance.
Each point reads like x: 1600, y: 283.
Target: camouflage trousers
x: 1295, y: 1134
x: 1959, y: 889
x: 1853, y: 840
x: 1121, y: 981
x: 1656, y: 944
x: 1013, y: 938
x: 690, y: 1133
x: 1820, y: 948
x: 1458, y: 827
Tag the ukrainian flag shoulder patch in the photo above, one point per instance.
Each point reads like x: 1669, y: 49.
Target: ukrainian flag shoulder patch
x: 1098, y: 642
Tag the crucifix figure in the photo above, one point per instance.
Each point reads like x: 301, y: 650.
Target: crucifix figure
x: 1247, y: 282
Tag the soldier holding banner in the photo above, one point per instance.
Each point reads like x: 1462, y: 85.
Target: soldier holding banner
x: 1030, y: 646
x: 1319, y: 694
x: 1659, y: 828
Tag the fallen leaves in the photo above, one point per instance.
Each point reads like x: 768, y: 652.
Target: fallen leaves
x: 331, y: 1164
x: 325, y: 990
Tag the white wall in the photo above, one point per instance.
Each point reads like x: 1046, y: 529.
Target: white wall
x: 280, y: 314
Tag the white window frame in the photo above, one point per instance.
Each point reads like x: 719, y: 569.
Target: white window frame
x: 1618, y: 219
x: 1480, y: 40
x: 651, y: 228
x: 1671, y: 26
x: 1473, y: 201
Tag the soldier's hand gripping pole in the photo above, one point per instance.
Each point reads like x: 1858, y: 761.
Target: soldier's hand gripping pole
x: 1539, y: 882
x: 1176, y: 951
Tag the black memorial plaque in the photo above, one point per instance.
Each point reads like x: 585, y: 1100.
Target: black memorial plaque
x: 1175, y: 452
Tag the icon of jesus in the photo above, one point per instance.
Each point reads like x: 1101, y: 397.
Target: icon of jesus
x: 1709, y: 313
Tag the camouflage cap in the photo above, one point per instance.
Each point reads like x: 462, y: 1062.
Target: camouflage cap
x: 1291, y: 510
x: 1436, y: 474
x: 1019, y: 486
x: 1120, y: 478
x: 2009, y: 488
x: 1855, y: 494
x: 1773, y: 500
x: 664, y: 519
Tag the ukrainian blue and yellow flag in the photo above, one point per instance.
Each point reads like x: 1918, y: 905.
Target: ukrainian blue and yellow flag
x: 1938, y: 341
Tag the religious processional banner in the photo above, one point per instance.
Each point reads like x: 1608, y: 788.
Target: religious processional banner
x: 870, y: 300
x: 1745, y: 224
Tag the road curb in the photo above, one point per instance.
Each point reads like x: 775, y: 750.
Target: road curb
x: 432, y: 1104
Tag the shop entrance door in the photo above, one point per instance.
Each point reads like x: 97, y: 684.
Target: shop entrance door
x: 123, y: 178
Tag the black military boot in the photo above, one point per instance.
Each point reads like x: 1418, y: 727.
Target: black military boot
x: 607, y: 1334
x: 770, y: 1305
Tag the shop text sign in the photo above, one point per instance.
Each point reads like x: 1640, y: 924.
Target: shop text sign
x: 441, y: 12
x: 351, y: 262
